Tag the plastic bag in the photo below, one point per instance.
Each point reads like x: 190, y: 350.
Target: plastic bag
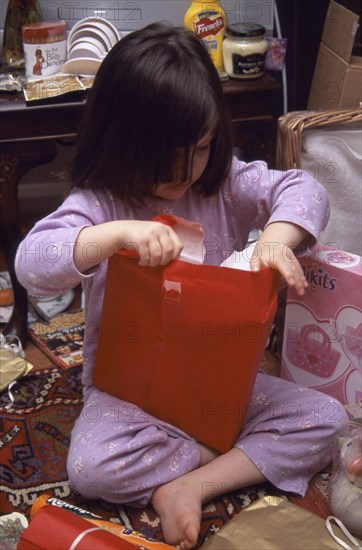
x: 345, y: 498
x: 12, y: 360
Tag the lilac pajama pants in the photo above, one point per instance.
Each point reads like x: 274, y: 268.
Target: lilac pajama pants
x: 121, y: 454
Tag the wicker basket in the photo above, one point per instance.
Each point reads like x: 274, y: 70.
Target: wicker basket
x: 291, y: 126
x: 288, y: 156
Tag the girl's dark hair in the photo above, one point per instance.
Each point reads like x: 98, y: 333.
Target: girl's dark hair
x: 156, y: 91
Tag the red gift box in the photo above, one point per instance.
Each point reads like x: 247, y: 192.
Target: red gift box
x: 323, y: 329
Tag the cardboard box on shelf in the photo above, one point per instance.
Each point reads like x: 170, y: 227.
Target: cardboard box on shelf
x: 337, y: 79
x: 322, y: 343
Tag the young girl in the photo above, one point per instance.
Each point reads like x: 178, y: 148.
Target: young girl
x: 155, y: 138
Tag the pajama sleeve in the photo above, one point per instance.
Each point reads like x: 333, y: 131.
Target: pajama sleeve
x: 44, y: 260
x: 265, y: 196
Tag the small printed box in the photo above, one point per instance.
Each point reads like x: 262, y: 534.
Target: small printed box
x: 322, y: 343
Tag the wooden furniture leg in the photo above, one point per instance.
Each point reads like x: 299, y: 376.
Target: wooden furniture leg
x: 13, y: 165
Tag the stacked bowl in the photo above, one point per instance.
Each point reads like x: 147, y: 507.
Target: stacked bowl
x: 88, y: 42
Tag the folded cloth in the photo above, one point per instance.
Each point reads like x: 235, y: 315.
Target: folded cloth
x: 333, y: 156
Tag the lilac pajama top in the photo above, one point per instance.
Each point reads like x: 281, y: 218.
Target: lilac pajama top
x: 120, y: 453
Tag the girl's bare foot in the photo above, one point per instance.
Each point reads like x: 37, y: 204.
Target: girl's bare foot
x: 178, y: 504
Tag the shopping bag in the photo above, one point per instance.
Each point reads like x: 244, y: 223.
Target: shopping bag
x: 184, y: 342
x: 312, y: 351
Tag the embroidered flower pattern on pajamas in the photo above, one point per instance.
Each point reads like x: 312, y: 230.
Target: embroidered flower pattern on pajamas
x: 174, y: 464
x: 187, y: 451
x: 165, y: 210
x: 78, y: 465
x: 301, y: 389
x: 133, y: 444
x: 228, y: 197
x: 119, y: 465
x: 252, y: 179
x: 86, y: 438
x: 112, y: 448
x: 260, y: 399
x: 253, y: 174
x: 147, y: 458
x: 306, y: 425
x: 317, y: 198
x: 314, y: 449
x: 70, y: 218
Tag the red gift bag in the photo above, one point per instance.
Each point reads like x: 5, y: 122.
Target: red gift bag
x: 184, y: 342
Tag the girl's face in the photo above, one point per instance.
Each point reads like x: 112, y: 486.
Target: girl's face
x: 175, y: 190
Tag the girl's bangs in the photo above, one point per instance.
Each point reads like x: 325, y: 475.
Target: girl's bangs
x: 193, y: 115
x: 196, y: 117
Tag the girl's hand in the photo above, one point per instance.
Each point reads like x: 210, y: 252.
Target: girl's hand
x: 283, y: 260
x: 156, y: 243
x: 272, y: 251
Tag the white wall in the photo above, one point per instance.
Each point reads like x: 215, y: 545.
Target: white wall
x: 131, y: 15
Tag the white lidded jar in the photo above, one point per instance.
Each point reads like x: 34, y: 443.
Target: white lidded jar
x: 244, y: 50
x: 45, y: 48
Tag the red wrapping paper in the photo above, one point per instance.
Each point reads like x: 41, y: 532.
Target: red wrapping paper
x: 184, y: 342
x: 54, y: 528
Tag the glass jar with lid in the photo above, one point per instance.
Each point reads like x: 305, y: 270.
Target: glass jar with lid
x: 18, y: 13
x: 244, y: 50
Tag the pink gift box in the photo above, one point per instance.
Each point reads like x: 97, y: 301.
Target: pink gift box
x: 322, y: 343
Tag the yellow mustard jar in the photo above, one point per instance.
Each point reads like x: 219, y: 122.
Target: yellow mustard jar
x: 244, y: 50
x: 208, y: 21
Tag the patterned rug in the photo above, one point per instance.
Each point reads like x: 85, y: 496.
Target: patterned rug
x: 34, y: 439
